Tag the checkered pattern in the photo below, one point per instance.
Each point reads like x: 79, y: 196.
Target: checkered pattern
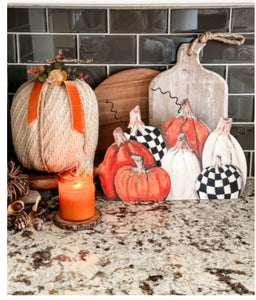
x: 219, y: 183
x: 153, y: 140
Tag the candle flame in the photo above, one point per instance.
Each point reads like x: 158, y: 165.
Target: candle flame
x: 77, y: 186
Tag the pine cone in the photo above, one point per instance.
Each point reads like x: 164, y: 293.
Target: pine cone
x: 17, y: 183
x: 21, y: 221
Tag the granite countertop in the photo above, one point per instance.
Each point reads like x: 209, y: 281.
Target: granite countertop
x: 141, y: 248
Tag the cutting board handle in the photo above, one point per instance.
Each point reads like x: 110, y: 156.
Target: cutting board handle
x: 184, y: 59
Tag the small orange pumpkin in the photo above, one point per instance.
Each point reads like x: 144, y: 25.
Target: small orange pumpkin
x: 196, y: 130
x: 138, y: 183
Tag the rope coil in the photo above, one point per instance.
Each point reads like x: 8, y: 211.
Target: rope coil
x: 227, y: 38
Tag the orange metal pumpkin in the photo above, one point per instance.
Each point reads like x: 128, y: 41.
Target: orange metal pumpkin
x: 117, y: 156
x: 139, y: 183
x: 196, y: 130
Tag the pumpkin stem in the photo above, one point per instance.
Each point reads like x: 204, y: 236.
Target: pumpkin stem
x: 119, y: 136
x: 218, y: 161
x: 182, y: 142
x: 224, y: 125
x: 186, y: 110
x: 135, y: 121
x: 139, y: 161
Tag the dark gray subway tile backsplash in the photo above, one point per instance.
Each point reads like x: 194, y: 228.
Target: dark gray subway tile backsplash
x: 241, y: 79
x: 11, y: 44
x: 138, y: 20
x: 120, y: 39
x: 41, y: 47
x: 217, y: 52
x: 107, y: 49
x: 26, y: 20
x: 242, y: 20
x: 241, y: 108
x: 77, y: 20
x: 200, y: 20
x: 160, y: 49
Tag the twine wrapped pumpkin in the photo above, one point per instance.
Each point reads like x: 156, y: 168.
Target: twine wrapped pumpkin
x: 50, y: 143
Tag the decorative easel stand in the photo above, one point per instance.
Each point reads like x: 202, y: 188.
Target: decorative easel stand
x: 77, y: 225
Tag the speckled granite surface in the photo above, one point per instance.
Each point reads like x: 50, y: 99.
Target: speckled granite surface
x: 143, y: 248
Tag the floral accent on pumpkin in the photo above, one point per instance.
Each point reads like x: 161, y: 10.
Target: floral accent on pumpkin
x: 119, y: 155
x: 56, y: 72
x: 57, y: 77
x: 196, y: 130
x: 139, y: 183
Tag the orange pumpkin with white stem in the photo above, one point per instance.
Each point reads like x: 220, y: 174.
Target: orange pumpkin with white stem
x: 139, y: 183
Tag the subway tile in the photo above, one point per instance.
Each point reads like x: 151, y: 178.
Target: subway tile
x: 115, y: 69
x: 245, y: 135
x: 241, y: 108
x: 77, y: 20
x: 16, y: 75
x: 242, y: 20
x: 218, y: 52
x: 199, y: 20
x: 106, y: 49
x: 41, y: 47
x: 221, y: 70
x: 160, y: 49
x: 247, y: 157
x: 138, y: 20
x: 26, y: 20
x: 241, y: 79
x: 11, y: 48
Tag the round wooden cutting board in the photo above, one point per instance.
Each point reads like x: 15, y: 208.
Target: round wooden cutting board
x: 117, y: 96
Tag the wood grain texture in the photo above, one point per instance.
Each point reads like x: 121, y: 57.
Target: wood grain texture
x: 77, y: 225
x: 42, y: 180
x: 121, y: 92
x: 207, y: 91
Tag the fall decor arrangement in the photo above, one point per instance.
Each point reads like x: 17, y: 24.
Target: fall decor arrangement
x: 149, y: 136
x: 54, y: 119
x: 17, y: 182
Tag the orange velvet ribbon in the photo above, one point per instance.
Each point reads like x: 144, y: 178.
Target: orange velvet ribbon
x: 76, y: 106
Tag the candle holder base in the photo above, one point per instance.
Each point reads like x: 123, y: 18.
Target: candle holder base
x: 77, y: 225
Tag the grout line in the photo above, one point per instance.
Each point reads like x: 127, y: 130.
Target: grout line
x: 107, y: 68
x: 243, y: 123
x: 230, y: 19
x: 108, y: 20
x: 169, y: 21
x: 226, y: 75
x: 108, y: 32
x: 47, y: 20
x: 244, y: 94
x: 137, y: 49
x: 77, y: 46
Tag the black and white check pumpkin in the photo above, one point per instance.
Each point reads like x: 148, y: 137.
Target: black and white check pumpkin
x: 149, y: 136
x: 219, y: 182
x: 152, y: 139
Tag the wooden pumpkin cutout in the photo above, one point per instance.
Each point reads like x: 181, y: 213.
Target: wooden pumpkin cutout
x: 140, y: 183
x: 207, y: 91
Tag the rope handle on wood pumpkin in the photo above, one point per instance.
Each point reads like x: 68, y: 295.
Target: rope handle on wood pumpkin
x: 227, y: 38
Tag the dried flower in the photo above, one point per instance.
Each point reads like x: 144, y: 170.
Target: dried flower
x: 56, y: 77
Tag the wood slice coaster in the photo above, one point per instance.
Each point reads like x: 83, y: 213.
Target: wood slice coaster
x: 77, y: 225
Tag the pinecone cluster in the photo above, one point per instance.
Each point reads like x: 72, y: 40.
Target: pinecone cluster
x: 17, y: 183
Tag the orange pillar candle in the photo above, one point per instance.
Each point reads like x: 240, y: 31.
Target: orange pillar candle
x: 76, y: 196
